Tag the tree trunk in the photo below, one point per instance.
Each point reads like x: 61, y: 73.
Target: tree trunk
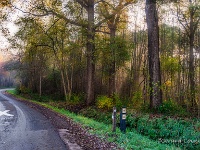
x: 198, y: 100
x: 112, y: 66
x: 63, y: 83
x: 192, y: 72
x: 191, y: 62
x: 90, y: 53
x: 40, y: 84
x: 69, y: 82
x: 153, y: 54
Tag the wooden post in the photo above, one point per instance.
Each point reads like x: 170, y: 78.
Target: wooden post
x: 114, y: 119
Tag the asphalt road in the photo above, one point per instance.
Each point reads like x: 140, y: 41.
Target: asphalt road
x: 23, y: 128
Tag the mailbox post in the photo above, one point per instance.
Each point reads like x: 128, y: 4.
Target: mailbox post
x: 123, y: 120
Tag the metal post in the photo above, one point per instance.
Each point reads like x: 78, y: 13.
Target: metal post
x: 123, y: 120
x: 114, y: 119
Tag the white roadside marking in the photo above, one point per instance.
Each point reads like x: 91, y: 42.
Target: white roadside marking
x: 6, y: 113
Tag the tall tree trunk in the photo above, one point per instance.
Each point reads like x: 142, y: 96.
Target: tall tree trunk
x: 191, y: 61
x: 69, y: 81
x: 192, y: 71
x: 112, y: 69
x: 190, y: 27
x: 63, y: 83
x: 90, y: 53
x: 198, y: 100
x: 179, y: 96
x: 153, y: 54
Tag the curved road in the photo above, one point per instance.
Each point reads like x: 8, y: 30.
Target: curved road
x: 23, y: 128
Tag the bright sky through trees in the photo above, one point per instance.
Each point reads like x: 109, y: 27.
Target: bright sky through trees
x: 136, y: 18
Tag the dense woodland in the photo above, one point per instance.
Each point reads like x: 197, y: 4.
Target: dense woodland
x: 93, y: 48
x: 6, y: 76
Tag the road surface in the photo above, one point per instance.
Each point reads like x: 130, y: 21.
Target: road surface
x: 23, y: 128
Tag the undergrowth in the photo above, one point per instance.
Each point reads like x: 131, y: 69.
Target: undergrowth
x: 143, y: 131
x: 179, y: 132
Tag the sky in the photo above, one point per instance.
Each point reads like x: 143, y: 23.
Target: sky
x: 3, y: 56
x: 4, y: 45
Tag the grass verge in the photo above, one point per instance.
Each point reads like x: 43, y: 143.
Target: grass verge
x: 128, y: 141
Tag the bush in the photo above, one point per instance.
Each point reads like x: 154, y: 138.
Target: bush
x: 18, y: 90
x: 76, y: 99
x: 137, y: 100
x: 171, y: 108
x: 105, y: 103
x: 118, y: 103
x: 97, y: 115
x: 22, y: 90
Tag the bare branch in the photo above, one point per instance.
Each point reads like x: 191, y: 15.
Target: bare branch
x: 32, y: 14
x: 52, y: 25
x: 77, y: 23
x: 49, y: 12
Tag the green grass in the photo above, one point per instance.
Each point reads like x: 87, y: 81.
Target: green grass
x: 128, y: 141
x: 13, y: 92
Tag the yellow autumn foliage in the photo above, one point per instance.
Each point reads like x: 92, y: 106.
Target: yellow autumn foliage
x: 105, y: 103
x: 168, y: 83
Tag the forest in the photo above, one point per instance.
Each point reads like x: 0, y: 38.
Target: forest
x: 6, y: 76
x: 96, y: 50
x: 89, y: 56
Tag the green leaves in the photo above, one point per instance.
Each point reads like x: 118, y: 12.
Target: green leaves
x: 121, y: 48
x: 180, y: 133
x: 118, y: 51
x: 170, y: 64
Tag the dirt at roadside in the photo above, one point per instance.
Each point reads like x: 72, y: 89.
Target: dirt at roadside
x: 73, y: 134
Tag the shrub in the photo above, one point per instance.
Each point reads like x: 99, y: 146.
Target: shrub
x: 137, y: 100
x: 105, y: 103
x: 23, y: 90
x: 168, y: 130
x: 93, y: 113
x: 118, y: 103
x: 18, y: 90
x: 171, y: 108
x: 76, y: 99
